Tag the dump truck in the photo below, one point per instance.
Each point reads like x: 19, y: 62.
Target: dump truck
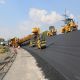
x: 52, y: 31
x: 69, y: 26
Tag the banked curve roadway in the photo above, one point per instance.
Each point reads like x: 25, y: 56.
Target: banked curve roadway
x: 63, y: 53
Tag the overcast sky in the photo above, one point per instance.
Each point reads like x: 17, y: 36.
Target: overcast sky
x: 17, y: 17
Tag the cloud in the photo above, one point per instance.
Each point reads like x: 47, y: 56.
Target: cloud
x: 25, y: 28
x: 2, y: 1
x: 43, y: 16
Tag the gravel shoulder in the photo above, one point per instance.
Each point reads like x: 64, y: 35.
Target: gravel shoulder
x: 6, y: 60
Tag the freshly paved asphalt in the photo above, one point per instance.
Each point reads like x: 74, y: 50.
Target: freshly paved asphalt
x: 62, y: 53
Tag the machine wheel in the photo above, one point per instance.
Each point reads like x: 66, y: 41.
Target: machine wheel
x: 54, y: 33
x: 73, y: 29
x: 63, y: 31
x: 47, y: 33
x: 43, y: 47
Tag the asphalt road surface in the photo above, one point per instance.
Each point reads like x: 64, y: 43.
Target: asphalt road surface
x: 63, y: 54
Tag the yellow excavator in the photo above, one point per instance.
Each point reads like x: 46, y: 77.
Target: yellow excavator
x: 37, y: 39
x: 69, y: 26
x: 52, y: 31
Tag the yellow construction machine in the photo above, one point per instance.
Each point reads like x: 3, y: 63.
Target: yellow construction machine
x: 13, y: 42
x: 52, y: 31
x: 69, y: 26
x: 35, y: 33
x: 32, y: 43
x: 41, y: 42
x: 24, y: 39
x: 36, y: 39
